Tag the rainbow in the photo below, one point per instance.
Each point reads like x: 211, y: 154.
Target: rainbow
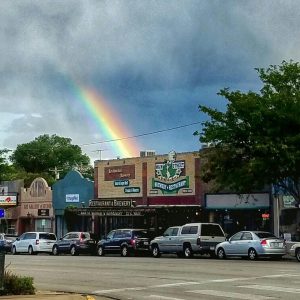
x: 108, y: 121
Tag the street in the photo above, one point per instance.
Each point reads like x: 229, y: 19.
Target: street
x: 166, y: 278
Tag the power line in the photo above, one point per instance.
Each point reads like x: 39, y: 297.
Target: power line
x: 142, y: 134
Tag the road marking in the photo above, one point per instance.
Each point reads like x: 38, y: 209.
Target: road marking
x: 175, y: 284
x: 252, y: 278
x: 162, y: 297
x: 271, y: 288
x: 193, y: 283
x: 230, y: 295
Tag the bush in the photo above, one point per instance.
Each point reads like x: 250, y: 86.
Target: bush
x: 17, y: 285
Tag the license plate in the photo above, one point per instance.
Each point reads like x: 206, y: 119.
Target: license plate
x: 212, y: 248
x: 276, y: 245
x: 146, y: 243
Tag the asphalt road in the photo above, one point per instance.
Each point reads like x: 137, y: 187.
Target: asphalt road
x: 165, y: 278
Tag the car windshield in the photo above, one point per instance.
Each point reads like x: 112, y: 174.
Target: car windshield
x: 265, y: 235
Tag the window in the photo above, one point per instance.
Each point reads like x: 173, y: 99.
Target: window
x: 119, y: 234
x: 247, y: 236
x: 30, y: 236
x: 265, y: 235
x: 111, y: 234
x: 189, y: 230
x: 140, y: 234
x: 47, y: 236
x: 168, y: 232
x: 175, y: 231
x: 211, y: 230
x: 236, y: 237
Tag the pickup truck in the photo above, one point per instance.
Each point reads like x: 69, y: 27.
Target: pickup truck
x: 189, y: 239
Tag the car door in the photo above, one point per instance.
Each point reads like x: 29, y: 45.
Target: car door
x: 165, y: 241
x: 108, y: 241
x: 232, y: 246
x: 19, y: 241
x: 245, y: 243
x: 174, y: 244
x: 64, y: 243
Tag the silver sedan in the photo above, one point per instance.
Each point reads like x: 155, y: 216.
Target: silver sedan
x: 252, y: 244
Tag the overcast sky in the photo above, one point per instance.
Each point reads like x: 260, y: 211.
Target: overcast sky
x: 155, y: 62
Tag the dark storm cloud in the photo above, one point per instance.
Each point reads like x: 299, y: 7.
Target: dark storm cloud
x: 165, y: 57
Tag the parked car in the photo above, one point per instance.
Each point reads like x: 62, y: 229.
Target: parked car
x: 252, y: 244
x: 6, y: 241
x: 295, y: 251
x: 188, y: 239
x: 125, y: 242
x: 75, y: 243
x: 34, y: 242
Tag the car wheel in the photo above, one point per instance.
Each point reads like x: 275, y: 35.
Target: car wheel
x: 100, y: 251
x: 252, y: 255
x: 30, y: 250
x: 55, y: 250
x: 221, y: 253
x: 73, y: 251
x: 124, y: 251
x: 155, y: 251
x: 187, y: 251
x: 298, y: 254
x: 14, y: 250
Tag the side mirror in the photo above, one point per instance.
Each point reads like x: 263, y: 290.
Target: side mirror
x: 165, y: 234
x: 60, y: 239
x: 17, y: 239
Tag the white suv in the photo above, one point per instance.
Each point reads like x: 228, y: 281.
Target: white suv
x: 34, y: 242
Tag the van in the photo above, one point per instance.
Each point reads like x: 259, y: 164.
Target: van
x: 34, y: 242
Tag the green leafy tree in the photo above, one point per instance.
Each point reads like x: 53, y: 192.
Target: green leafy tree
x: 256, y: 141
x: 5, y: 169
x: 46, y: 153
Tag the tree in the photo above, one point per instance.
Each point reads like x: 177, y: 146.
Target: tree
x: 46, y: 153
x: 5, y: 169
x: 256, y: 141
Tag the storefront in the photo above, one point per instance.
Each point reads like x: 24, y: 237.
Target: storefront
x: 35, y: 208
x: 151, y: 192
x: 235, y: 212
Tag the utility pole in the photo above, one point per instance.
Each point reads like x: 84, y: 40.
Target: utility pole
x: 56, y: 172
x: 100, y: 152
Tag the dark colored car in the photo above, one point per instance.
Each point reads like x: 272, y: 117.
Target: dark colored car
x: 125, y: 242
x: 75, y: 243
x: 6, y: 241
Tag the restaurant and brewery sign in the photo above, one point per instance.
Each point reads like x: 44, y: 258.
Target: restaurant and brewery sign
x: 110, y: 203
x: 170, y: 175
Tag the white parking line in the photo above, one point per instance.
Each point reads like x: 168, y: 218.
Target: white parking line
x: 271, y: 288
x: 230, y: 295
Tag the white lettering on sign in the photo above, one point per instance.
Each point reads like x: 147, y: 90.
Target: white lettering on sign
x: 72, y: 198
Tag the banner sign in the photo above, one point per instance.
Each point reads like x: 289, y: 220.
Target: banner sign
x: 121, y: 183
x: 115, y: 212
x: 43, y: 212
x: 72, y: 198
x: 119, y: 172
x: 130, y: 190
x: 8, y: 200
x: 110, y: 203
x: 171, y: 188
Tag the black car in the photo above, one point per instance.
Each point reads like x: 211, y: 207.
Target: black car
x: 125, y: 242
x: 75, y: 243
x: 6, y: 241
